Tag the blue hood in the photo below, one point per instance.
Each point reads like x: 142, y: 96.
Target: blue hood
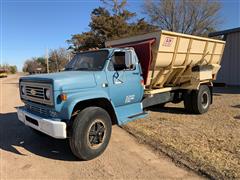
x: 66, y: 80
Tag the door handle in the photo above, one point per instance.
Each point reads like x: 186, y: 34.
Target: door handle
x: 136, y: 73
x: 104, y: 85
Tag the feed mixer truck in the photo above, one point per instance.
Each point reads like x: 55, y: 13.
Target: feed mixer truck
x: 117, y: 84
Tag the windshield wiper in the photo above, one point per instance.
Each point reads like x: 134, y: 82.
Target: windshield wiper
x: 86, y: 69
x: 68, y: 69
x: 79, y: 69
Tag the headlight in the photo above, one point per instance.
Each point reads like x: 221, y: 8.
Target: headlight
x: 47, y: 93
x: 23, y: 90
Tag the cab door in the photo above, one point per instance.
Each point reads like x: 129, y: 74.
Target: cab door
x: 124, y: 78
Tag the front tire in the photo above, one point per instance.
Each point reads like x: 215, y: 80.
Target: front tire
x: 91, y: 132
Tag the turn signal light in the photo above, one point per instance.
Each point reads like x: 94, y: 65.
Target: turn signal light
x: 63, y: 96
x: 142, y: 82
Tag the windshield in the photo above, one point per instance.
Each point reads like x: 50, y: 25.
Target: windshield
x: 88, y: 61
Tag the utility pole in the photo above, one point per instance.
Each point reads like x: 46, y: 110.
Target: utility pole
x: 69, y: 57
x: 47, y: 60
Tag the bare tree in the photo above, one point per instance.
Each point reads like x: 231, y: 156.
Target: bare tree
x: 32, y: 65
x: 197, y: 17
x: 116, y: 6
x: 58, y: 58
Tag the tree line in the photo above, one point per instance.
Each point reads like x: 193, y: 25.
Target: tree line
x: 10, y: 69
x: 57, y: 60
x: 113, y: 20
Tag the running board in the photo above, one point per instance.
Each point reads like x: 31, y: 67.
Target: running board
x: 136, y: 115
x: 129, y: 113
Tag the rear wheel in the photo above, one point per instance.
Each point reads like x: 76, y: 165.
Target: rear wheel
x: 187, y: 100
x: 160, y: 105
x: 201, y: 99
x: 91, y: 133
x: 198, y: 101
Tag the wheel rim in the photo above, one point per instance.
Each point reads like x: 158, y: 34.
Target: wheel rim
x: 204, y: 100
x: 96, y: 134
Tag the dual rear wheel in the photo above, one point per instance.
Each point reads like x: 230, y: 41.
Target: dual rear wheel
x: 198, y: 101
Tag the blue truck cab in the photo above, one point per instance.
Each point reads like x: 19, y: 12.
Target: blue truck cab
x: 96, y: 90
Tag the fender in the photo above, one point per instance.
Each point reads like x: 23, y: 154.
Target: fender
x: 75, y: 98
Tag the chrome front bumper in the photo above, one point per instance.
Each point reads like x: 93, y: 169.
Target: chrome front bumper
x: 56, y: 129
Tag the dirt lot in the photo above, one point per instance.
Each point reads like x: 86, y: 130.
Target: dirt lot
x: 28, y: 156
x: 208, y: 143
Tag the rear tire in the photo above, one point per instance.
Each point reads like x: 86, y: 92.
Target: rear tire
x: 91, y: 132
x: 201, y: 100
x: 160, y: 105
x: 198, y: 101
x: 187, y: 100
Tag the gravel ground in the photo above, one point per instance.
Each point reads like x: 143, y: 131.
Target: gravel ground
x: 208, y: 143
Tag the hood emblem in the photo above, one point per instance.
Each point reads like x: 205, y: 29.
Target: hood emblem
x: 33, y: 92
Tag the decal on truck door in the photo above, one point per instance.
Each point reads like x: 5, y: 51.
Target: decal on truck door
x: 129, y: 98
x: 117, y: 78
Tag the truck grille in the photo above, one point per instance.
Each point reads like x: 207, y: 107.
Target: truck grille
x: 37, y: 110
x: 35, y: 92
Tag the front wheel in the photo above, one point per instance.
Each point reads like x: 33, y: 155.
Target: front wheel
x: 91, y: 132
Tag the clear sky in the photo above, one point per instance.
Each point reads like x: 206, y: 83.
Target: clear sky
x: 29, y: 27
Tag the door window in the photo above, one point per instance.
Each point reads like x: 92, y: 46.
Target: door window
x: 122, y: 61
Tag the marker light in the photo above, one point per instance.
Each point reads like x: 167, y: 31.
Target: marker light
x: 63, y: 96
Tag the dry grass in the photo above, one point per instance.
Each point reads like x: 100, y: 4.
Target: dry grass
x: 208, y: 143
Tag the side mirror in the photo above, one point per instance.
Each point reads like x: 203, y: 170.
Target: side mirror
x: 119, y: 67
x: 131, y: 66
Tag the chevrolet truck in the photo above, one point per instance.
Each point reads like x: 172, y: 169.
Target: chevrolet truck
x: 117, y: 84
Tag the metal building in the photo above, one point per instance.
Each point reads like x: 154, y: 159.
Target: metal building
x: 230, y: 70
